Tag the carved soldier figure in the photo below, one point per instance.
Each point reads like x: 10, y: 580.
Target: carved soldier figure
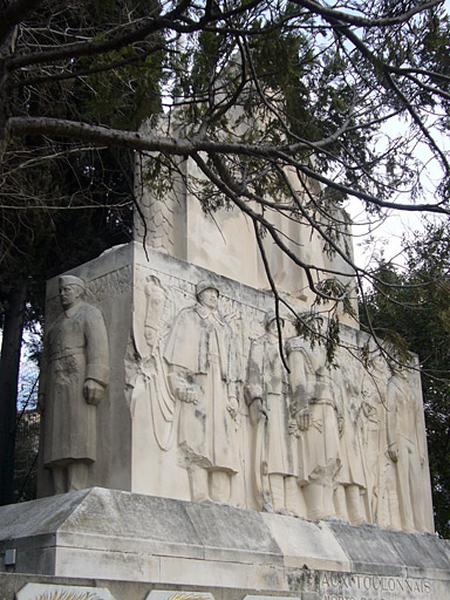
x: 146, y: 381
x: 268, y: 400
x: 381, y: 498
x: 75, y: 375
x: 203, y: 377
x: 318, y: 424
x: 351, y: 478
x: 406, y: 448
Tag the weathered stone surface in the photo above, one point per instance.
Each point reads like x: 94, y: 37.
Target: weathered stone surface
x: 108, y: 280
x: 303, y: 543
x: 200, y: 407
x: 75, y: 374
x: 224, y: 242
x: 121, y: 537
x: 178, y: 595
x: 309, y: 585
x: 370, y: 547
x: 233, y: 534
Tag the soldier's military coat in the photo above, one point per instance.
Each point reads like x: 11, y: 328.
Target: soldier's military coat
x: 76, y: 349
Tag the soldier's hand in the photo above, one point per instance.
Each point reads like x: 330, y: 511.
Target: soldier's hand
x: 187, y: 394
x: 393, y: 452
x: 255, y: 409
x: 304, y: 419
x: 93, y: 391
x: 233, y: 407
x: 260, y: 409
x: 191, y: 396
x: 293, y: 428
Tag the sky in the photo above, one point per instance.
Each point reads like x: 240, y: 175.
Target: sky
x: 386, y: 237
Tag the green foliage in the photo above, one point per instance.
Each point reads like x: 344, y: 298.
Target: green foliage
x: 411, y: 311
x: 281, y: 61
x: 26, y: 456
x: 62, y: 203
x: 44, y: 229
x: 345, y: 108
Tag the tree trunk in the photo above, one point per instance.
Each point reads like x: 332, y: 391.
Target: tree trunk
x: 9, y: 374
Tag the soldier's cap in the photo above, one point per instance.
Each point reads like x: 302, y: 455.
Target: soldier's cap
x: 206, y: 284
x: 271, y: 316
x: 71, y: 280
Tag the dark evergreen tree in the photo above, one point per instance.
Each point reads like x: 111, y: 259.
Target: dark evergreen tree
x: 342, y: 96
x: 413, y: 314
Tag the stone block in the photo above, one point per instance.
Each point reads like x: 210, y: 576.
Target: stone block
x: 199, y: 406
x: 145, y: 543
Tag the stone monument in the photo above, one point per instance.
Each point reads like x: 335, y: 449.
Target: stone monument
x: 75, y: 371
x: 188, y: 451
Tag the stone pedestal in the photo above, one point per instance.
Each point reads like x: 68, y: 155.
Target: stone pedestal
x: 199, y: 405
x: 133, y: 544
x: 224, y: 476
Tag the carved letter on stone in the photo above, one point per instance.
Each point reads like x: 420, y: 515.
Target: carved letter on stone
x: 268, y: 400
x: 201, y: 355
x: 76, y: 372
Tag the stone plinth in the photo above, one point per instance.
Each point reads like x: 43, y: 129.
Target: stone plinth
x: 196, y: 403
x: 146, y: 543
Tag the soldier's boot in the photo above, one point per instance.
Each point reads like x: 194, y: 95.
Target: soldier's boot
x: 295, y: 502
x: 77, y: 476
x: 59, y: 480
x: 220, y: 488
x: 340, y: 503
x: 355, y: 505
x: 319, y: 500
x: 198, y: 480
x: 276, y: 482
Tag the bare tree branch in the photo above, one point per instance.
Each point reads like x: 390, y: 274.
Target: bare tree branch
x: 352, y: 19
x: 187, y: 147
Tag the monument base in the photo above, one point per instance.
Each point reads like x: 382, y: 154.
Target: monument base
x: 137, y: 544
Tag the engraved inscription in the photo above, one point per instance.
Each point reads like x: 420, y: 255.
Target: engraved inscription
x: 339, y: 586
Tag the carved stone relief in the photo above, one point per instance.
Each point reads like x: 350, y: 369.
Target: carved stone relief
x: 351, y: 479
x: 204, y: 370
x: 178, y: 595
x: 268, y: 397
x: 313, y: 443
x: 214, y: 412
x: 113, y: 284
x: 406, y: 450
x: 146, y: 374
x: 44, y: 591
x: 76, y: 373
x: 381, y: 494
x: 317, y: 420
